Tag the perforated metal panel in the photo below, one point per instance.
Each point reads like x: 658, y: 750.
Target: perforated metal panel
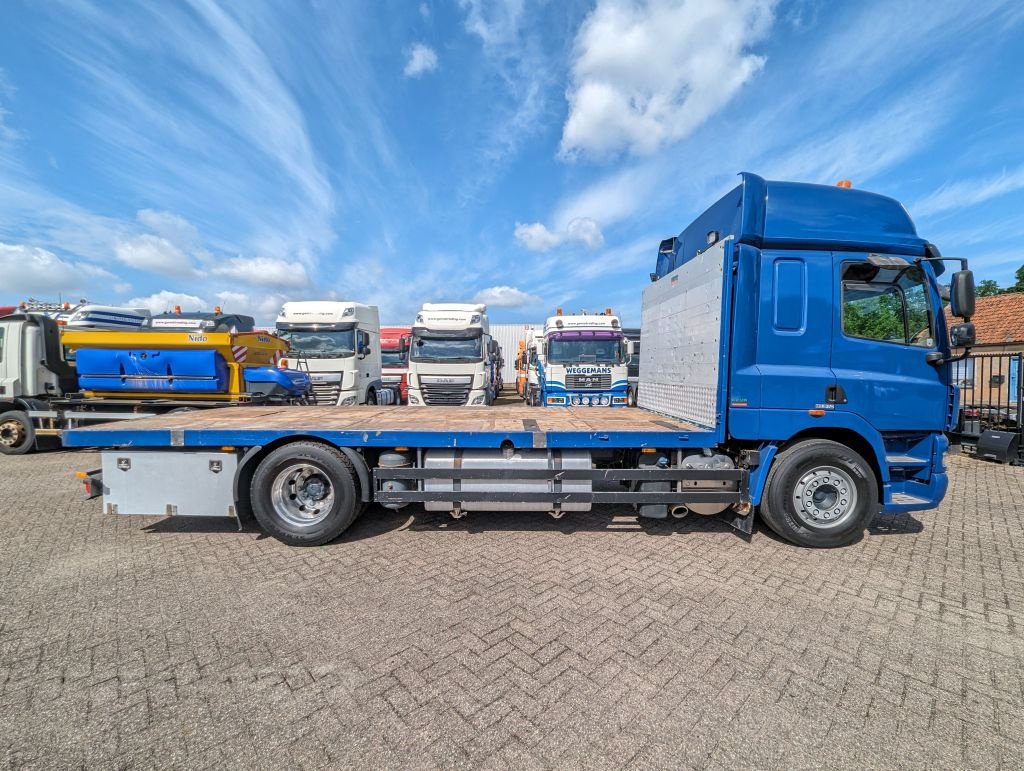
x: 682, y: 326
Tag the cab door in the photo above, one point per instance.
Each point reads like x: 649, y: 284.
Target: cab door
x: 882, y: 335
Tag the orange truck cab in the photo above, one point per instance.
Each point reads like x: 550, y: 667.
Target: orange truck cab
x: 394, y: 352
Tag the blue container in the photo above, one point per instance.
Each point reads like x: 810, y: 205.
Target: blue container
x: 197, y: 372
x: 272, y: 379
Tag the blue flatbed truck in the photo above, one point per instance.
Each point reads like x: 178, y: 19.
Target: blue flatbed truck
x: 796, y: 363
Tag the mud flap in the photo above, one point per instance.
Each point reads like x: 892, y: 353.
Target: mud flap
x: 743, y: 524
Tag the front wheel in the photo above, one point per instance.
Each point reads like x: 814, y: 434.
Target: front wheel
x: 819, y: 493
x: 305, y: 494
x: 17, y: 437
x: 371, y: 397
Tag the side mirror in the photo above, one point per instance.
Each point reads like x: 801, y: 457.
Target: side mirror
x: 630, y: 348
x: 962, y: 335
x: 961, y: 294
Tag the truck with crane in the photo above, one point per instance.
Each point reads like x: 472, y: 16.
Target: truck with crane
x: 54, y: 377
x: 338, y: 344
x: 451, y: 361
x: 796, y: 364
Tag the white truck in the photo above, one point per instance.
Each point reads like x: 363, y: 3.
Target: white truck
x: 451, y: 361
x: 585, y: 363
x: 338, y: 345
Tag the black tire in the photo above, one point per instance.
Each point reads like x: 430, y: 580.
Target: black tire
x: 631, y: 397
x: 17, y: 437
x: 276, y: 501
x: 837, y: 490
x: 371, y: 396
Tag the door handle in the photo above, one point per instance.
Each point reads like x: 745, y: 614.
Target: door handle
x: 834, y: 394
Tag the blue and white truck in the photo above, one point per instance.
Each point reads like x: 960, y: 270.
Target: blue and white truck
x: 796, y: 363
x: 585, y: 361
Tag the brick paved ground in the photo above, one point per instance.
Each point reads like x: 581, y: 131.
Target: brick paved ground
x: 508, y: 640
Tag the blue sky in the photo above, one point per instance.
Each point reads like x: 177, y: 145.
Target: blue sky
x: 526, y: 153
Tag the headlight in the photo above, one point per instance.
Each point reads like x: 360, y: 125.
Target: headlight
x: 348, y: 401
x: 575, y: 401
x: 413, y: 400
x: 586, y: 401
x: 479, y: 400
x: 605, y: 401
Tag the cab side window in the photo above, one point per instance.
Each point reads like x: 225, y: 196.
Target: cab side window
x: 888, y: 304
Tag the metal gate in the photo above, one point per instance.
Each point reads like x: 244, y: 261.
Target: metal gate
x: 991, y: 396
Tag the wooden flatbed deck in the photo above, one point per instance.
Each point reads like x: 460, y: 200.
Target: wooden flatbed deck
x: 524, y: 426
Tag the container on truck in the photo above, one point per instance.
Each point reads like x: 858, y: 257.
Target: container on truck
x: 53, y: 377
x: 451, y: 361
x: 796, y: 362
x: 338, y: 344
x: 394, y: 353
x: 585, y: 363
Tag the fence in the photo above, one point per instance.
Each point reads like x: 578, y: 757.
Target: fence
x: 991, y: 391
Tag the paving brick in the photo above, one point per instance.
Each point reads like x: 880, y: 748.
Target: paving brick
x: 508, y: 640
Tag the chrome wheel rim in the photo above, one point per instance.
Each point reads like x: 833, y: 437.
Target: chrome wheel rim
x: 12, y: 433
x: 825, y: 497
x: 302, y: 495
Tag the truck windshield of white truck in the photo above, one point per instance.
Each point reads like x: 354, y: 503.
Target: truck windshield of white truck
x: 595, y: 347
x: 389, y: 358
x: 450, y: 348
x: 322, y: 344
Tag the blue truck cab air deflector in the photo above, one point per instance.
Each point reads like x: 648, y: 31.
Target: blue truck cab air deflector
x: 797, y: 215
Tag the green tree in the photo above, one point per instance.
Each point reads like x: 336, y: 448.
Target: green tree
x: 987, y: 287
x: 1019, y: 286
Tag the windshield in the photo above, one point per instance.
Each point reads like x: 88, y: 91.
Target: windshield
x: 393, y: 358
x: 574, y: 350
x: 450, y: 349
x: 333, y: 344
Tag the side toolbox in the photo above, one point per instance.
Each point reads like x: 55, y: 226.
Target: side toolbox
x: 141, y: 482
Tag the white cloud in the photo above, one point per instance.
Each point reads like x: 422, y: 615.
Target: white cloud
x: 506, y: 297
x: 263, y: 308
x: 647, y: 74
x: 424, y: 10
x: 495, y: 23
x: 30, y: 270
x: 969, y: 192
x: 262, y: 271
x: 171, y: 226
x: 154, y: 253
x: 422, y: 59
x: 165, y: 300
x: 585, y: 230
x: 537, y: 237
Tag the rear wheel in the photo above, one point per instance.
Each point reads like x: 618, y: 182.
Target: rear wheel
x: 17, y: 437
x: 305, y: 494
x: 819, y: 493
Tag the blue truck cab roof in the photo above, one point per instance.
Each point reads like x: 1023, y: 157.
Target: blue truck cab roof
x: 796, y: 215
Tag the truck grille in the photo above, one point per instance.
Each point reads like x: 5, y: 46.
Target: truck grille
x: 446, y: 393
x: 326, y: 393
x: 595, y: 382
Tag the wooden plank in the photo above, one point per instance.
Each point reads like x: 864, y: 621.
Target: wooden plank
x: 498, y: 419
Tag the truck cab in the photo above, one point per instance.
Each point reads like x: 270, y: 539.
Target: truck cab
x: 394, y: 352
x: 451, y: 361
x: 586, y: 362
x: 338, y: 344
x: 534, y: 361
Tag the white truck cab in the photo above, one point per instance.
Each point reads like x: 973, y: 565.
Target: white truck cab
x: 338, y: 344
x: 585, y: 361
x: 451, y: 358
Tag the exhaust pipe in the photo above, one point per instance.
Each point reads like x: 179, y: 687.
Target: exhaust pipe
x: 680, y: 511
